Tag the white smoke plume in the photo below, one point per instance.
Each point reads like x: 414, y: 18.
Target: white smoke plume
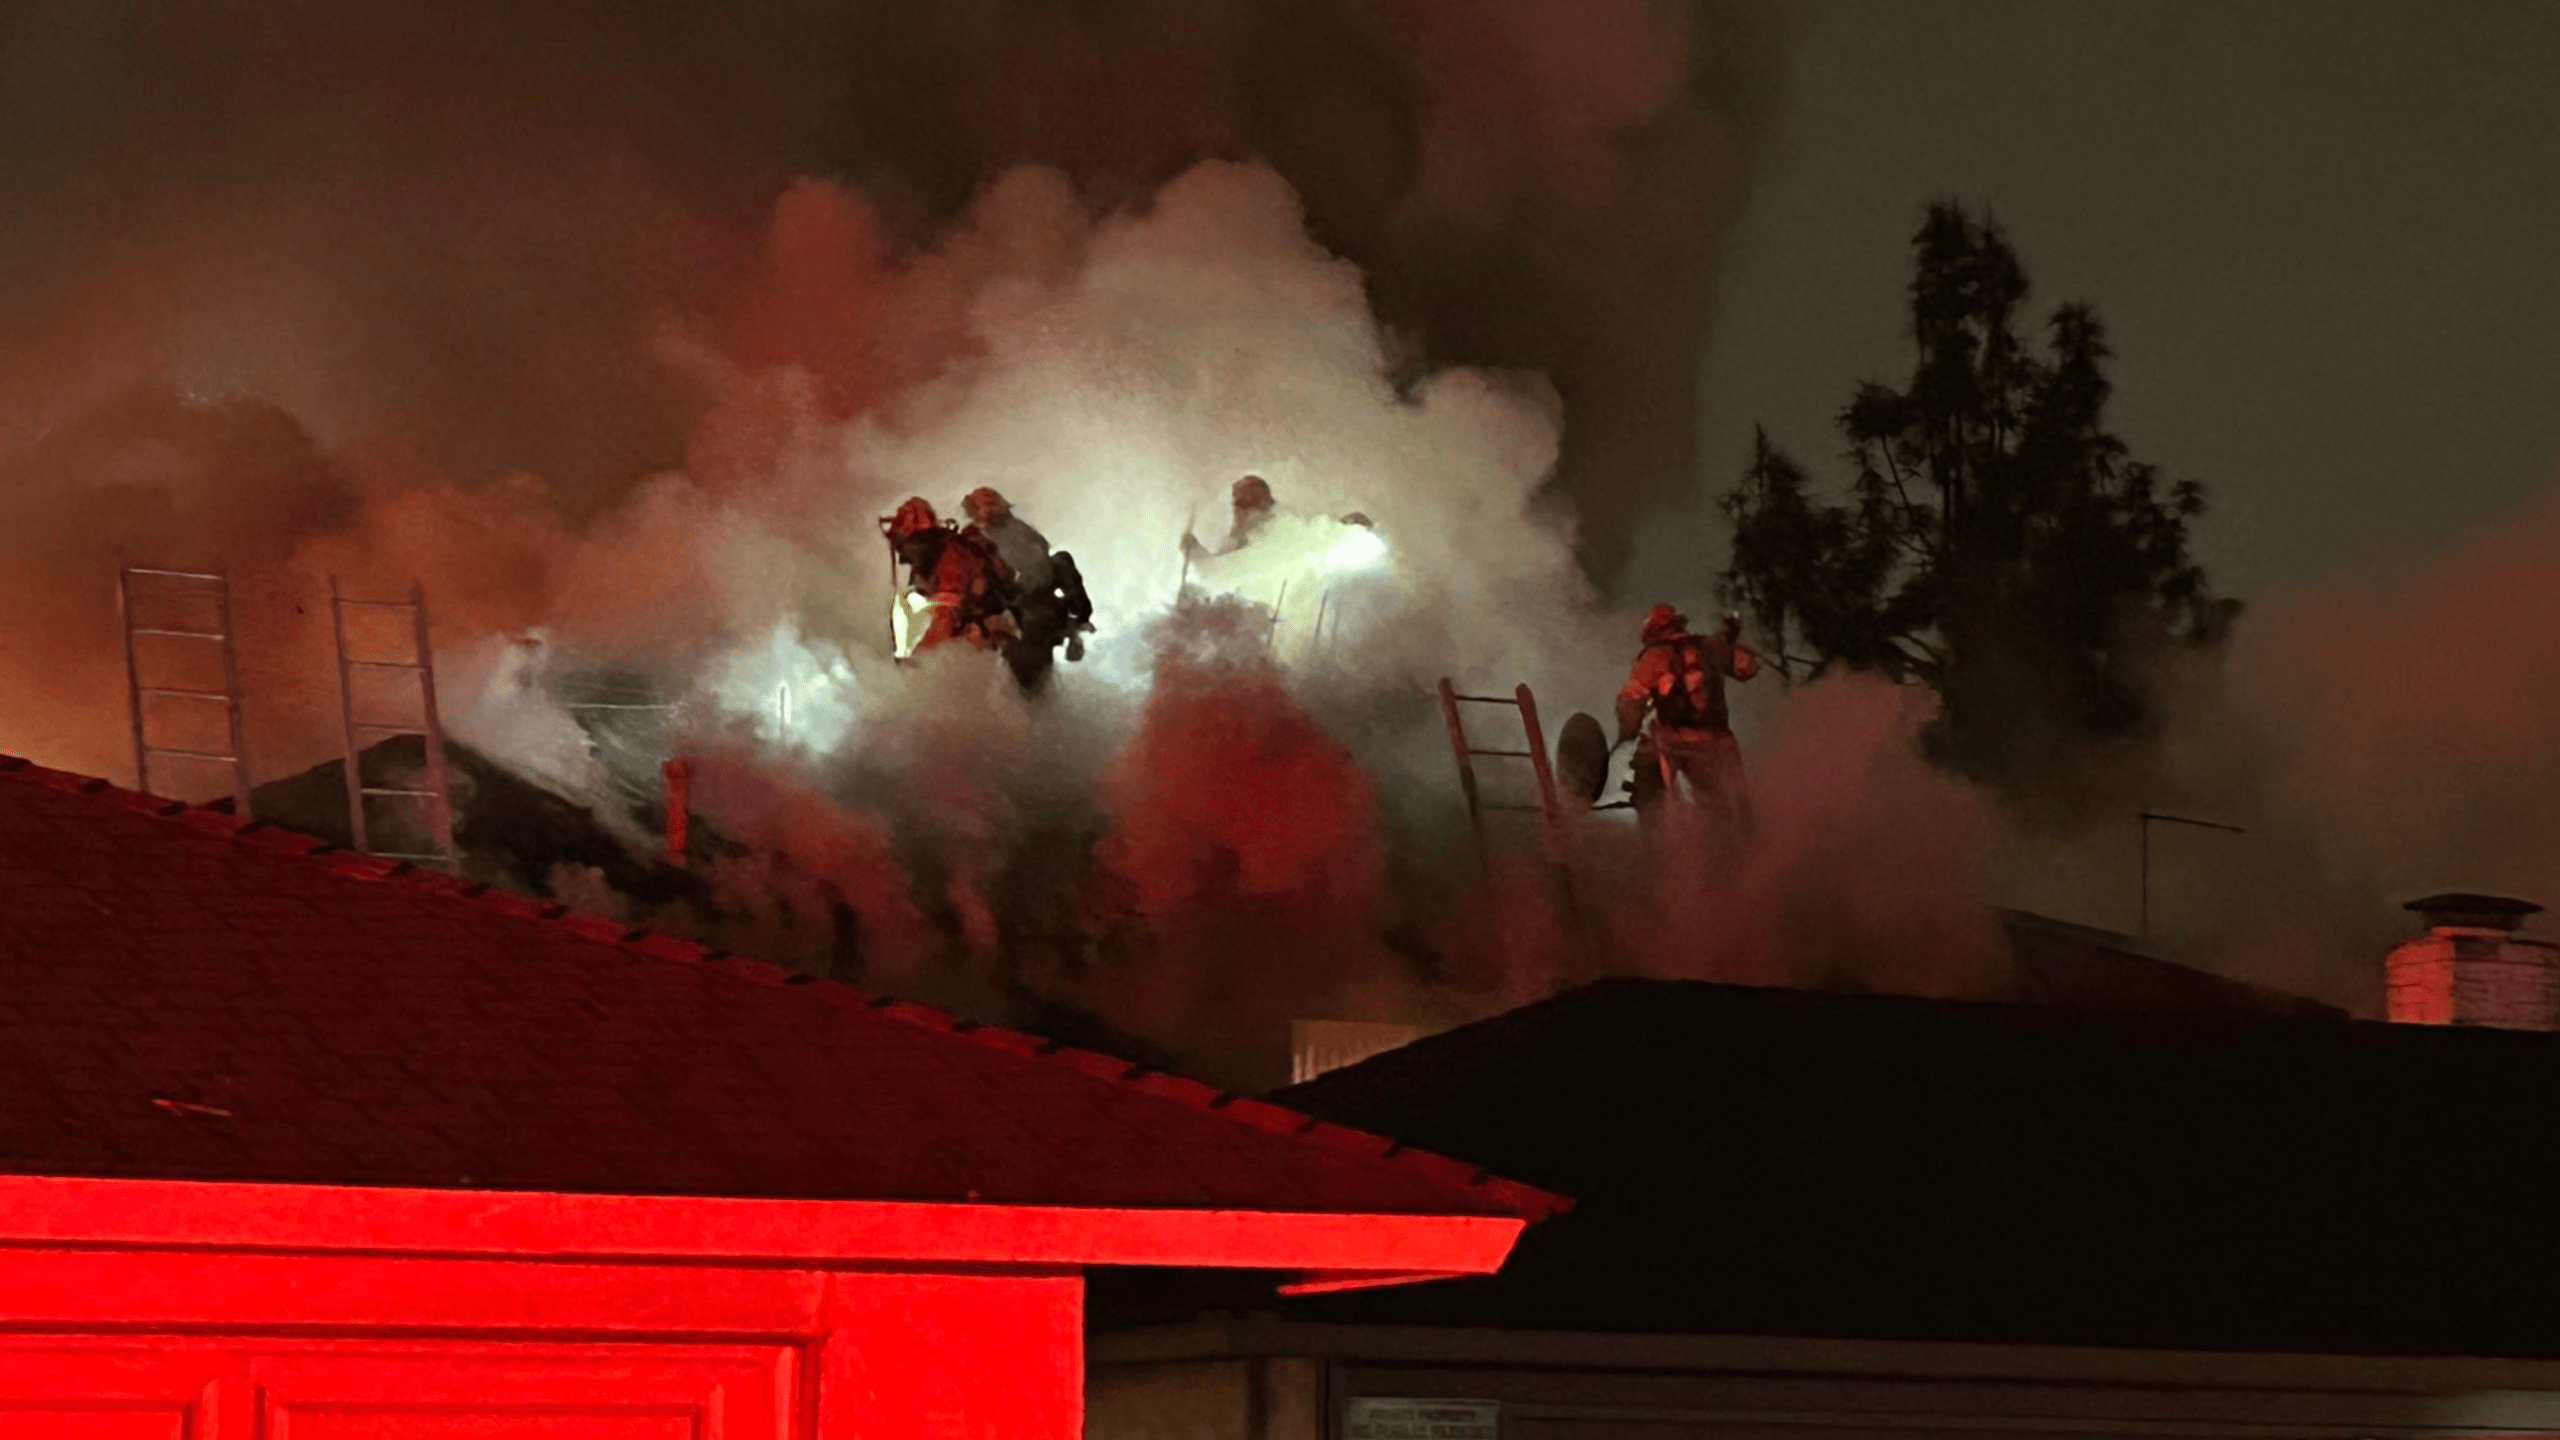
x: 629, y: 404
x: 1207, y: 825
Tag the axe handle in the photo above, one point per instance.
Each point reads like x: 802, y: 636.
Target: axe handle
x: 1185, y: 582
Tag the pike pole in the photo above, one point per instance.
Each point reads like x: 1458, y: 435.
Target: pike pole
x: 1183, y: 584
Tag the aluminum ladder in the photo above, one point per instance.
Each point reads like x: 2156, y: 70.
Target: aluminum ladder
x: 138, y: 587
x: 1551, y: 829
x: 430, y: 730
x: 1467, y: 753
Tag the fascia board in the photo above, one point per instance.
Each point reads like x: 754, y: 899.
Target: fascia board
x: 229, y: 1216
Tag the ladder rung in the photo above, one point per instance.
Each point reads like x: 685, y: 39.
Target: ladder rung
x: 1488, y: 805
x: 1616, y: 805
x: 421, y: 664
x: 1507, y: 754
x: 170, y: 574
x: 191, y: 694
x: 1486, y: 700
x: 190, y: 754
x: 612, y: 705
x: 180, y: 634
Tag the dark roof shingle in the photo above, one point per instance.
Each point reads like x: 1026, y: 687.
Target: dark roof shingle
x: 183, y: 997
x: 1750, y: 1161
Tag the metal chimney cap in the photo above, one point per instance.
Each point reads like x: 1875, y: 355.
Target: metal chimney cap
x: 2485, y: 912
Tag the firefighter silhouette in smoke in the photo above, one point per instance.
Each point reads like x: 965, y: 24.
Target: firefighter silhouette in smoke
x: 1679, y: 678
x: 959, y: 589
x: 1049, y: 603
x: 1253, y: 506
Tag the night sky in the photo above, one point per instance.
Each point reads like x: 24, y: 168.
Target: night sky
x: 2322, y: 236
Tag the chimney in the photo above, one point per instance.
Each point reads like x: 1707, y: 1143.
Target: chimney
x: 2471, y: 968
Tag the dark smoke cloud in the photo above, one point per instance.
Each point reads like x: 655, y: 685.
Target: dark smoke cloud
x: 452, y: 224
x: 477, y: 214
x: 2386, y: 734
x: 2379, y: 734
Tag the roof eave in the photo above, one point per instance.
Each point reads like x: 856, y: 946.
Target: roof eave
x: 1330, y: 1248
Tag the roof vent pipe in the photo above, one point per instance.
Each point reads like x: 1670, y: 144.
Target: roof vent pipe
x: 2471, y: 968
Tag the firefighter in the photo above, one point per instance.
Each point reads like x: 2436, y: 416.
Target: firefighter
x: 1253, y: 507
x: 1680, y: 678
x: 1251, y: 502
x: 1049, y: 602
x: 959, y: 588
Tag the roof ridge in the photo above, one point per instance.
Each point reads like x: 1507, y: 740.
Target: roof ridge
x: 1571, y: 999
x: 649, y: 944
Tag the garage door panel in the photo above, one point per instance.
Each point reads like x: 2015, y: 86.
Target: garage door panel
x: 109, y: 1392
x: 99, y: 1422
x: 515, y: 1392
x: 268, y: 1388
x: 402, y: 1422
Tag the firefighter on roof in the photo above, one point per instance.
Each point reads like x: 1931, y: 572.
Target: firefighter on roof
x: 1680, y: 678
x: 1049, y: 603
x: 1253, y: 507
x: 958, y: 587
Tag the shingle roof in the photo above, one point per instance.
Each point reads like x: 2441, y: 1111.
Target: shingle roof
x: 2055, y: 962
x: 184, y: 997
x: 1750, y: 1161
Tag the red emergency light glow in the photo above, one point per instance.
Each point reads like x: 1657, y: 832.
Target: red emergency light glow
x: 267, y: 1310
x: 253, y: 1217
x: 578, y: 1298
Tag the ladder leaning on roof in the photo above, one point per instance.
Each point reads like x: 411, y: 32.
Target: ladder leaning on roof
x: 1467, y: 754
x: 1551, y: 830
x: 136, y: 587
x: 430, y: 731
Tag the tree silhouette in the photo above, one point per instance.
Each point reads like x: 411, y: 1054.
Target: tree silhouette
x: 1997, y: 544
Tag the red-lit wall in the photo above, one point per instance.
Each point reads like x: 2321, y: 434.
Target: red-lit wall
x: 106, y: 1345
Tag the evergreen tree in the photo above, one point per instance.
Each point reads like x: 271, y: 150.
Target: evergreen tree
x: 1996, y: 543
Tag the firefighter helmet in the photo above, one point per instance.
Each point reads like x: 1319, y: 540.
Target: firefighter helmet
x: 983, y: 502
x: 1661, y: 622
x: 913, y: 518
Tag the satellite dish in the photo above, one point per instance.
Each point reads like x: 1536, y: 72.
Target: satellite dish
x: 1582, y: 758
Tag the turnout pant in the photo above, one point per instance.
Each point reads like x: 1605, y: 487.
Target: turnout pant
x: 1707, y: 762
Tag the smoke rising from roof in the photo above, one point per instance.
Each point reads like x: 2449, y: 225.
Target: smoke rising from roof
x: 548, y: 308
x: 458, y: 226
x: 2385, y: 735
x: 2378, y: 735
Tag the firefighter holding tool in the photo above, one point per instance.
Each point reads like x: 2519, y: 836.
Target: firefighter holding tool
x: 1678, y: 682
